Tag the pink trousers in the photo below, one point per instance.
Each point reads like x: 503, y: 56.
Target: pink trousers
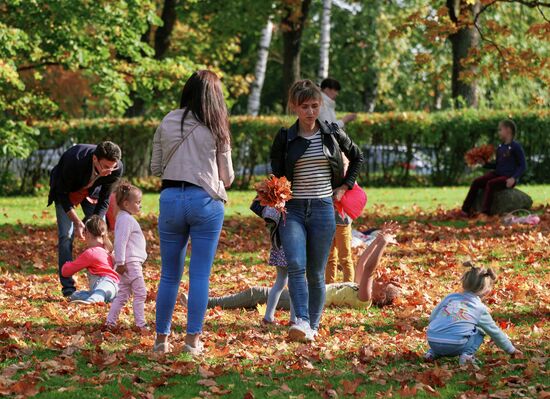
x: 131, y: 282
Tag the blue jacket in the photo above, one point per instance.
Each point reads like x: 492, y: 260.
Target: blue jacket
x: 510, y: 160
x: 456, y: 318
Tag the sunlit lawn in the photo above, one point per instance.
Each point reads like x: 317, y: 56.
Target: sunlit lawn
x: 56, y: 350
x: 33, y: 210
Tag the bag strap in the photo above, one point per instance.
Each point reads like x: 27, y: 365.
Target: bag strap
x: 175, y: 147
x: 336, y: 131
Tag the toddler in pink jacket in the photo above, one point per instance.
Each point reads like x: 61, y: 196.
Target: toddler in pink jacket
x: 130, y: 253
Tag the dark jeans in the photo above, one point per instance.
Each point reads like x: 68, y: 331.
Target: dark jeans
x: 490, y: 183
x: 65, y: 236
x: 306, y: 237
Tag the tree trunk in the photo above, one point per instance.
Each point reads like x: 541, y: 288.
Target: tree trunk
x: 292, y: 26
x: 324, y: 45
x: 164, y: 32
x: 371, y: 89
x: 438, y: 97
x: 161, y: 45
x: 137, y: 108
x: 464, y: 91
x: 259, y: 73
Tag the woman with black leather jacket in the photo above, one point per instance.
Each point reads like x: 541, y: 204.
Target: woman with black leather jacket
x: 309, y: 154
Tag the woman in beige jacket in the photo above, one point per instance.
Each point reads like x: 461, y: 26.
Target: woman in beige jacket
x: 192, y: 155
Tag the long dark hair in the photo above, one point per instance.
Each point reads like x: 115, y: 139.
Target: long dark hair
x: 203, y: 96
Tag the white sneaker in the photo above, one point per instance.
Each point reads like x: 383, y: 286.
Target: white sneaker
x: 184, y: 299
x: 429, y: 356
x: 300, y: 331
x: 467, y: 359
x: 310, y: 336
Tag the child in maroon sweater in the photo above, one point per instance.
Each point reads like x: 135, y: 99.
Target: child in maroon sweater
x: 98, y: 261
x: 508, y: 168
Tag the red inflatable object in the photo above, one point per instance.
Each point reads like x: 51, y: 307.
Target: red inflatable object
x: 352, y: 203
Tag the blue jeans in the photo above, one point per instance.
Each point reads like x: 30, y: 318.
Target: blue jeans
x: 103, y: 290
x: 65, y: 236
x: 306, y: 237
x: 186, y: 212
x: 469, y: 348
x: 275, y: 294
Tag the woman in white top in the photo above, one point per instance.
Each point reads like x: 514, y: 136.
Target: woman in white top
x: 192, y: 154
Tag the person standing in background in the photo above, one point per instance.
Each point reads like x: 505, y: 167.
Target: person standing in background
x: 340, y: 251
x: 330, y: 88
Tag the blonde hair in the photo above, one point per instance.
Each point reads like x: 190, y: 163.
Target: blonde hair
x: 123, y: 192
x: 97, y: 227
x: 302, y: 91
x: 478, y: 280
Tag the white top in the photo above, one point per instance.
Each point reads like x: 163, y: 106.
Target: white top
x: 328, y: 111
x: 196, y: 160
x: 129, y: 242
x: 312, y: 172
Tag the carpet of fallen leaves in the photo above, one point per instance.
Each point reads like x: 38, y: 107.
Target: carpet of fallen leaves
x: 49, y: 348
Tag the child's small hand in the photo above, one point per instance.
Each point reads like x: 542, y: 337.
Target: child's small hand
x: 340, y: 191
x: 390, y: 227
x: 389, y: 238
x: 121, y: 269
x: 517, y: 354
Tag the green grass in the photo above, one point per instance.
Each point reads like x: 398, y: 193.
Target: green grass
x: 33, y: 210
x: 30, y: 301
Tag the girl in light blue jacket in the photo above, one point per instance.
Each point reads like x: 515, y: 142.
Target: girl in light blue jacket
x: 459, y: 323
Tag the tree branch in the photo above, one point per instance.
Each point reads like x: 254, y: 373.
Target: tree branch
x: 531, y: 4
x: 36, y: 66
x: 55, y: 63
x: 528, y: 3
x: 542, y: 13
x: 485, y: 7
x: 491, y: 42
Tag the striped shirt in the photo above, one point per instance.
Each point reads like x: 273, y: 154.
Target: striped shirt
x: 312, y: 172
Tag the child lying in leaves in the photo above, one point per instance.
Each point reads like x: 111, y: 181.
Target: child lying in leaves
x: 361, y: 294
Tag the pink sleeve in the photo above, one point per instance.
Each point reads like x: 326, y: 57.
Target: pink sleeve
x: 122, y: 235
x: 82, y: 262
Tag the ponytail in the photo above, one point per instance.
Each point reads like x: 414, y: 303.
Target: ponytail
x: 478, y: 279
x: 123, y: 191
x: 107, y: 244
x: 97, y: 227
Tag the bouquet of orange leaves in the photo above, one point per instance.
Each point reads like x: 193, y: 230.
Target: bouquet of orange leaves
x: 274, y: 192
x: 479, y: 155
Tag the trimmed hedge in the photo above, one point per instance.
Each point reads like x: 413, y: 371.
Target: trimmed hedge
x: 392, y: 142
